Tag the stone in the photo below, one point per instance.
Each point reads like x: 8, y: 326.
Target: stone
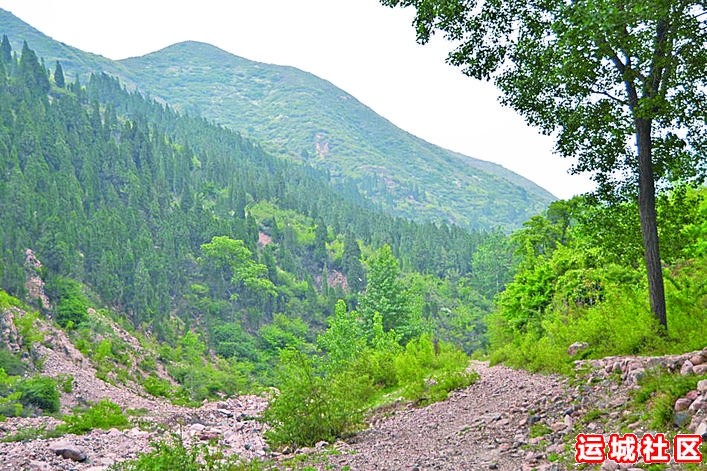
x: 702, y: 386
x: 225, y: 412
x: 697, y: 359
x: 68, y: 451
x: 610, y: 465
x: 686, y: 368
x: 698, y: 404
x: 681, y: 418
x: 39, y: 466
x: 196, y: 428
x: 692, y: 395
x: 321, y: 444
x: 702, y: 430
x: 700, y: 369
x: 577, y: 347
x: 682, y: 404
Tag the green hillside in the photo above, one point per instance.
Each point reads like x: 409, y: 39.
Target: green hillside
x: 302, y: 117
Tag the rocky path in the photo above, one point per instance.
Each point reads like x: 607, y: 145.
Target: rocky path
x: 485, y: 426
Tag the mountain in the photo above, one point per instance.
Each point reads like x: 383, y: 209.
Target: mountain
x: 302, y: 117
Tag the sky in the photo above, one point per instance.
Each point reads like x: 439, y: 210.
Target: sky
x: 360, y: 46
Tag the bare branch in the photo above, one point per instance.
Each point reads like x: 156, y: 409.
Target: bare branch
x: 609, y: 95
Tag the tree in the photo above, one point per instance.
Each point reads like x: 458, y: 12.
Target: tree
x: 597, y: 74
x: 32, y: 72
x: 59, y: 76
x: 6, y: 50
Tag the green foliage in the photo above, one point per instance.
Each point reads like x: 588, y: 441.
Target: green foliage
x: 173, y: 454
x: 311, y: 407
x: 39, y: 391
x: 102, y: 415
x: 25, y: 323
x: 658, y: 390
x: 158, y: 387
x: 427, y: 370
x: 589, y: 289
x: 419, y: 180
x: 71, y: 303
x: 11, y: 363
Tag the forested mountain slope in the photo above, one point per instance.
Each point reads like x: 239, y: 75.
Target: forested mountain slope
x: 299, y: 116
x: 162, y: 215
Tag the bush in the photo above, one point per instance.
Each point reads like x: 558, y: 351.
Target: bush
x: 157, y: 387
x: 11, y: 363
x: 427, y: 370
x: 174, y: 455
x: 104, y: 415
x: 40, y: 391
x: 311, y: 407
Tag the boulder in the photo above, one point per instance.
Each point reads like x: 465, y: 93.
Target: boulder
x: 700, y: 369
x: 68, y: 451
x: 686, y: 368
x: 682, y: 404
x: 577, y: 347
x: 702, y: 386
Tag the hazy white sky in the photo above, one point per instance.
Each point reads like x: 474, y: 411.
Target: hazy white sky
x: 360, y: 46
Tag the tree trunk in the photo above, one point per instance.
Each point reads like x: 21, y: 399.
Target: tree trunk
x: 649, y: 224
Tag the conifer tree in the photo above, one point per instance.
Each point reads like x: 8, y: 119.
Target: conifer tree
x: 6, y: 50
x: 59, y: 76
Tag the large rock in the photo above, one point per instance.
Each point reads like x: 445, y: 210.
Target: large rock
x: 702, y: 386
x: 682, y: 404
x: 69, y: 451
x: 577, y: 347
x: 700, y: 369
x: 686, y: 368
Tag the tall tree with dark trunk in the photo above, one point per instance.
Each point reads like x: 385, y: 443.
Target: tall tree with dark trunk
x: 620, y: 83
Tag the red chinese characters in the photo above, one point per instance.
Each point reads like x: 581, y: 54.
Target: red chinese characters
x: 626, y: 449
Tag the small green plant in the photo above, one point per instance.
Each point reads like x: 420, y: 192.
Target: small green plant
x: 65, y: 382
x: 25, y: 434
x: 539, y: 430
x: 104, y: 415
x: 174, y: 455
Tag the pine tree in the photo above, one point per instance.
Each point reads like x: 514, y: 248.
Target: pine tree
x: 6, y: 50
x: 59, y: 76
x: 32, y: 72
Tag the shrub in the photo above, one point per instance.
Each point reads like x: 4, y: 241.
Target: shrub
x: 40, y: 391
x: 174, y: 455
x: 311, y: 407
x: 104, y: 415
x: 11, y: 363
x: 157, y: 387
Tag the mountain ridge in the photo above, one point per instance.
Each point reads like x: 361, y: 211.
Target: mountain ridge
x: 301, y: 117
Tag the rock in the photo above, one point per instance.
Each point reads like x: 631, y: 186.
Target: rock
x: 610, y: 465
x: 68, y: 451
x: 700, y: 369
x: 321, y: 444
x: 225, y: 412
x: 697, y: 359
x: 702, y: 386
x: 686, y: 368
x: 681, y: 418
x: 682, y: 404
x: 702, y: 430
x: 699, y: 404
x: 39, y: 466
x: 196, y: 428
x: 692, y: 395
x: 577, y: 347
x: 634, y: 376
